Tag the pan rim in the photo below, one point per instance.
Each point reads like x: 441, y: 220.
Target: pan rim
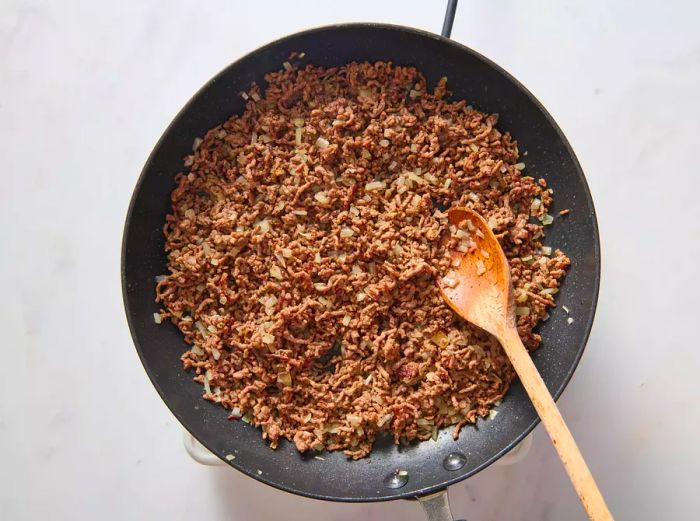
x: 588, y: 201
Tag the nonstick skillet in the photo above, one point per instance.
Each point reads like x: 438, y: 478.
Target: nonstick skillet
x: 427, y: 468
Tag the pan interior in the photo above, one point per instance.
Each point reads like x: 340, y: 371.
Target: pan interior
x: 333, y: 476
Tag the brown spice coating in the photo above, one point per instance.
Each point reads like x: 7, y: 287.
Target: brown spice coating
x: 308, y: 296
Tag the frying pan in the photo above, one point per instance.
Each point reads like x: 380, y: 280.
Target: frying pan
x: 427, y: 468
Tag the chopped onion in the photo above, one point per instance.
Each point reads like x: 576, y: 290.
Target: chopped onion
x: 448, y: 182
x: 414, y: 148
x: 384, y: 419
x: 431, y: 178
x: 267, y: 338
x: 570, y: 320
x: 230, y: 457
x: 361, y: 296
x: 196, y: 143
x: 286, y: 253
x: 492, y: 222
x: 346, y: 232
x: 346, y: 320
x: 254, y: 138
x: 297, y: 136
x: 549, y: 291
x: 322, y: 143
x: 264, y: 225
x: 322, y: 198
x: 520, y: 311
x: 355, y: 211
x: 473, y: 147
x: 535, y: 205
x: 244, y: 95
x: 492, y: 414
x: 216, y: 353
x: 547, y: 219
x: 298, y: 122
x: 157, y: 318
x: 320, y: 286
x: 520, y: 166
x: 354, y: 420
x: 365, y: 154
x: 384, y: 143
x: 374, y: 185
x: 566, y: 310
x: 480, y: 268
x: 276, y: 272
x: 207, y: 388
x: 485, y: 254
x: 287, y: 66
x: 546, y: 250
x: 255, y: 96
x: 299, y: 212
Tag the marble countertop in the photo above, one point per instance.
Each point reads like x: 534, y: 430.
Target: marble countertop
x: 86, y: 88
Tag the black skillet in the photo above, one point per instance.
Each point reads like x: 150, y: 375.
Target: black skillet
x: 336, y: 478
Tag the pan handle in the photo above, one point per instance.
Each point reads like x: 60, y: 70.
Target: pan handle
x: 437, y: 507
x: 449, y: 18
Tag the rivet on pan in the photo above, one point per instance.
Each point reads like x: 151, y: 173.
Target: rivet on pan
x: 396, y: 479
x: 454, y: 461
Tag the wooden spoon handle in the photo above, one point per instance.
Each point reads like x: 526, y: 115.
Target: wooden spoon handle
x: 563, y: 441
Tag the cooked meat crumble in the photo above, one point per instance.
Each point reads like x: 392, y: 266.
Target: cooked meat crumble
x: 303, y: 247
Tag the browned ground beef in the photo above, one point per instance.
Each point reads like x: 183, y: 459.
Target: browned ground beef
x: 303, y: 247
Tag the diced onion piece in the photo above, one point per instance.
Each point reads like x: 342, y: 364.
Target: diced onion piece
x: 254, y: 138
x: 547, y: 219
x: 535, y: 205
x: 346, y: 320
x: 317, y: 258
x: 365, y: 154
x: 267, y: 338
x: 492, y: 222
x: 414, y: 94
x: 546, y: 250
x: 196, y: 143
x: 299, y: 212
x: 230, y: 457
x: 450, y: 280
x: 569, y: 320
x: 520, y: 166
x: 215, y: 353
x: 244, y: 95
x: 485, y: 254
x: 297, y: 136
x: 321, y: 197
x: 448, y: 182
x: 520, y: 311
x: 384, y: 143
x: 255, y: 96
x: 384, y: 420
x: 461, y: 234
x: 480, y: 268
x: 566, y: 310
x: 492, y: 414
x: 354, y: 420
x: 473, y: 147
x: 440, y: 339
x: 156, y: 318
x: 360, y: 296
x: 287, y: 66
x: 521, y: 298
x: 346, y: 232
x: 207, y: 388
x: 545, y: 317
x: 286, y: 253
x: 431, y: 178
x: 320, y: 286
x: 374, y: 185
x: 549, y: 291
x: 355, y: 211
x: 276, y: 272
x: 414, y: 148
x: 298, y: 122
x: 322, y: 143
x: 264, y: 226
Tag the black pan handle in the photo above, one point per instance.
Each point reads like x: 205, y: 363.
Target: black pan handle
x: 449, y: 18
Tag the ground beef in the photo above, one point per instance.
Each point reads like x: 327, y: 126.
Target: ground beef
x: 303, y: 247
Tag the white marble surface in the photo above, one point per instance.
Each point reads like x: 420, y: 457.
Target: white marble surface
x: 86, y: 89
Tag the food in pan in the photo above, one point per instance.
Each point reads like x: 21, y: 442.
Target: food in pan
x: 305, y: 241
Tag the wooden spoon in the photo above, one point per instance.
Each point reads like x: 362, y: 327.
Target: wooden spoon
x: 480, y: 291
